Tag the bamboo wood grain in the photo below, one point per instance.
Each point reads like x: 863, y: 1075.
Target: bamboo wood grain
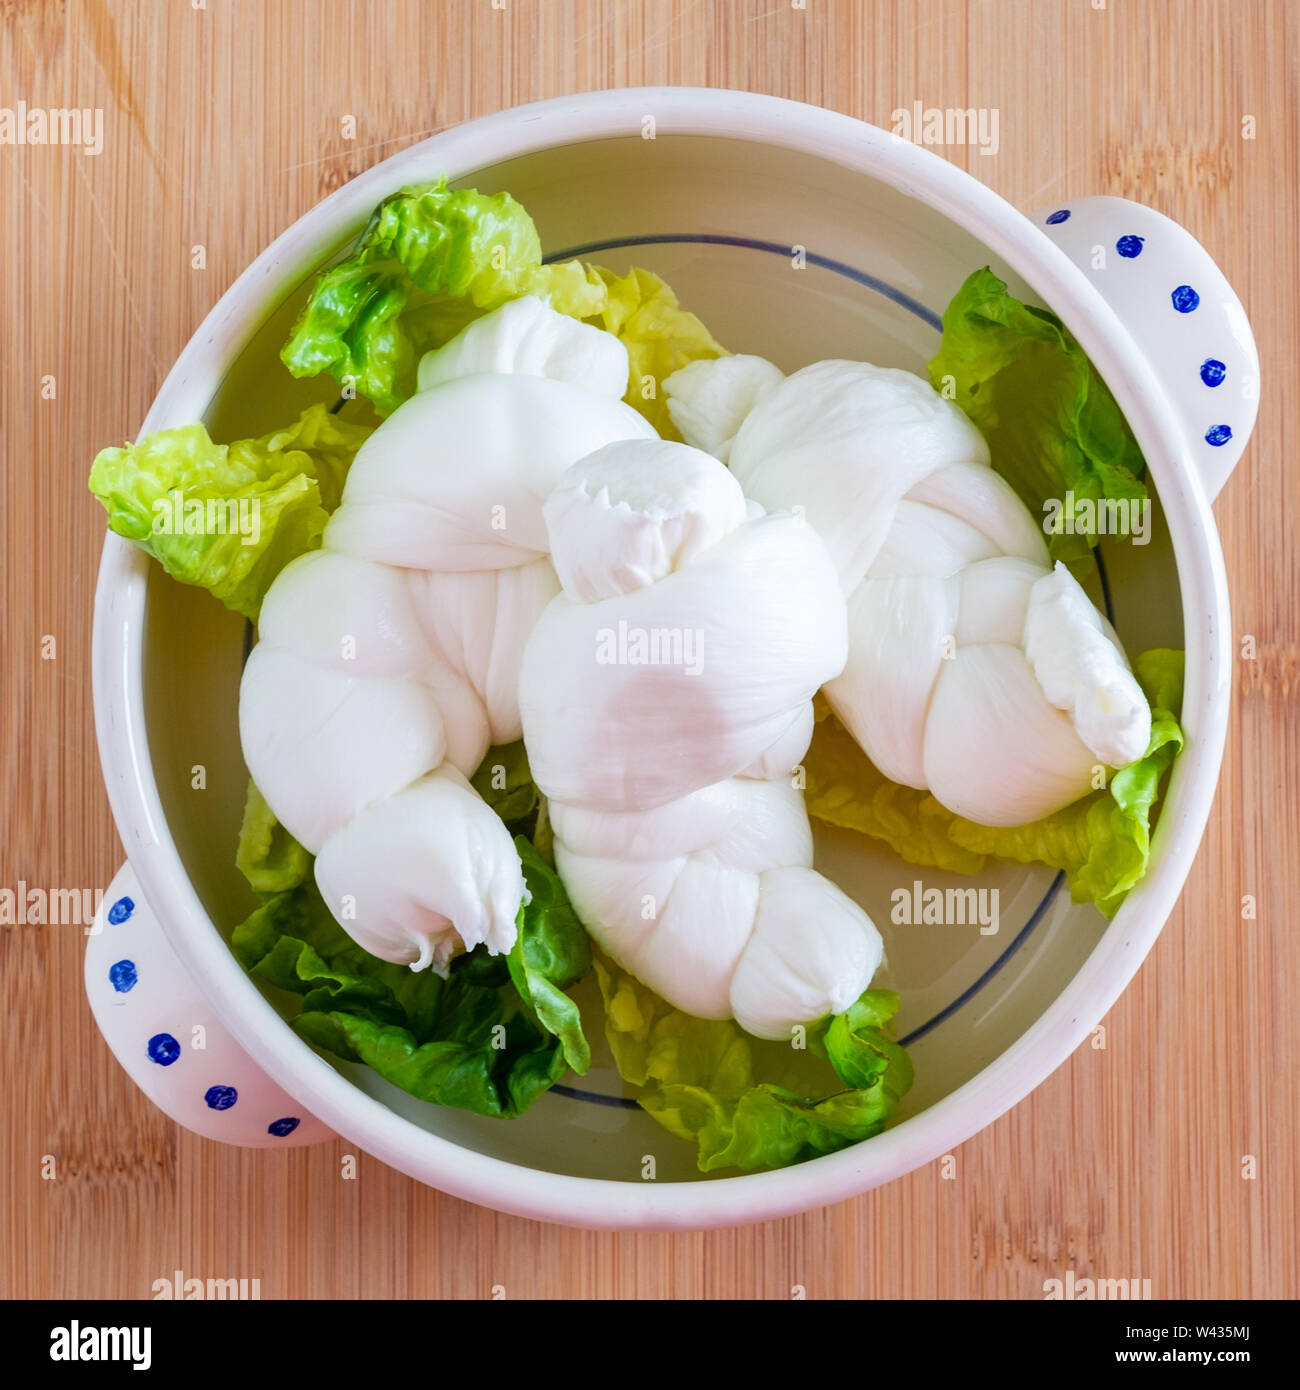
x: 222, y: 125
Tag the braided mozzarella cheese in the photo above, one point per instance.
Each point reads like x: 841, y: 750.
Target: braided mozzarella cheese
x: 666, y: 695
x: 975, y: 669
x: 388, y: 660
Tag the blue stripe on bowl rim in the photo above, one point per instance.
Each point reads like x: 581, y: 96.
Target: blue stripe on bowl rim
x: 745, y: 243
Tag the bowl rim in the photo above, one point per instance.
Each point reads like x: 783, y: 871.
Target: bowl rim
x: 858, y: 148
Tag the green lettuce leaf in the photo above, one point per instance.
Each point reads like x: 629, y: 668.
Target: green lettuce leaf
x: 1102, y: 842
x: 228, y: 517
x: 267, y: 855
x: 293, y: 942
x: 490, y: 1038
x: 505, y: 781
x: 551, y: 952
x: 429, y: 261
x: 660, y: 336
x: 1051, y: 423
x: 746, y: 1103
x: 432, y: 259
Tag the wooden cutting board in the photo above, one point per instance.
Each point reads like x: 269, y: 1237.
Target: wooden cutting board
x: 223, y: 122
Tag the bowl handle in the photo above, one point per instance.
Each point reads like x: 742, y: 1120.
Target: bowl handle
x: 1182, y: 313
x: 161, y: 1028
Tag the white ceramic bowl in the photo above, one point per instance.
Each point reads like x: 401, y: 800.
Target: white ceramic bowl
x: 718, y: 201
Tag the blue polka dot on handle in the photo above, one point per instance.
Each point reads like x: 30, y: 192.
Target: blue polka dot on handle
x: 1218, y: 435
x: 281, y: 1128
x: 120, y: 911
x: 1060, y: 215
x: 163, y: 1049
x: 1185, y: 299
x: 1213, y: 371
x: 122, y: 976
x: 1129, y: 246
